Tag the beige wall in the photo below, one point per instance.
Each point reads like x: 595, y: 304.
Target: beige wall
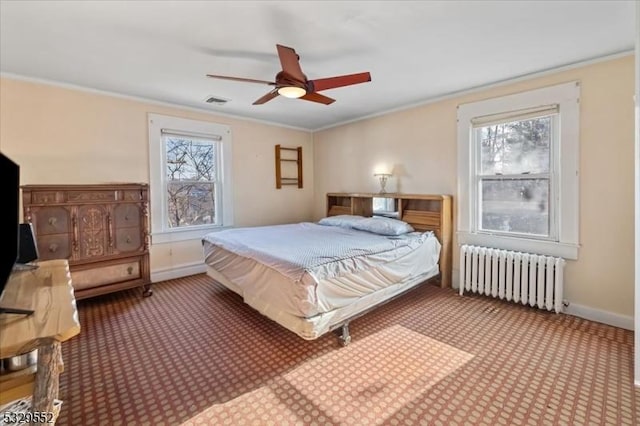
x: 58, y: 135
x: 420, y: 143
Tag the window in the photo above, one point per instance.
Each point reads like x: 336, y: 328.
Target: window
x: 518, y: 162
x: 190, y: 177
x: 383, y: 206
x: 514, y: 174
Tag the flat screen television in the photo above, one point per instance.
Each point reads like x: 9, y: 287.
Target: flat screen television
x: 10, y: 175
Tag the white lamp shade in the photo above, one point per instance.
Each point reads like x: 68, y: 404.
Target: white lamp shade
x: 381, y: 169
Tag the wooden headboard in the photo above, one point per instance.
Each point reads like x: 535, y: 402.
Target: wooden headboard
x: 423, y: 212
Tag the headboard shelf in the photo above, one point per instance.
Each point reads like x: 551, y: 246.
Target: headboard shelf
x: 425, y: 212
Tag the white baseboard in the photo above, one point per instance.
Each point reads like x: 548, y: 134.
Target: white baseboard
x: 577, y: 310
x: 597, y: 315
x: 177, y: 271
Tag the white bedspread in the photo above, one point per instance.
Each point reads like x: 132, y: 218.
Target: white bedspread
x: 306, y: 269
x: 322, y: 251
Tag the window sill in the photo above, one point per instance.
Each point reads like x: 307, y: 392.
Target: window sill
x: 183, y: 234
x: 549, y: 248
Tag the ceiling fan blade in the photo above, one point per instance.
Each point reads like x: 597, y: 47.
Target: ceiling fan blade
x: 317, y: 97
x: 339, y: 81
x: 266, y: 98
x: 249, y: 80
x: 289, y: 61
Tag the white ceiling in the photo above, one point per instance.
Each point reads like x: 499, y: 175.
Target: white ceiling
x: 415, y: 51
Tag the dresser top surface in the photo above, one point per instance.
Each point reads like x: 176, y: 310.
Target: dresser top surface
x: 85, y: 187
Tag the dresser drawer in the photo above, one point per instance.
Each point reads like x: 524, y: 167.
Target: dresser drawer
x: 54, y: 247
x: 127, y: 215
x: 135, y: 195
x: 51, y: 220
x: 128, y: 240
x: 102, y: 275
x: 91, y: 196
x: 45, y: 197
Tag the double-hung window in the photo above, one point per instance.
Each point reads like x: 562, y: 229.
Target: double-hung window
x: 518, y: 163
x: 514, y: 173
x: 190, y: 177
x: 191, y: 166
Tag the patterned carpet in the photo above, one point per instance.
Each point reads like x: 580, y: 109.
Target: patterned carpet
x: 162, y: 360
x: 364, y: 383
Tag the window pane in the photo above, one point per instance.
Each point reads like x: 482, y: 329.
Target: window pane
x: 516, y: 147
x: 192, y: 160
x: 190, y: 204
x: 383, y: 204
x: 515, y: 205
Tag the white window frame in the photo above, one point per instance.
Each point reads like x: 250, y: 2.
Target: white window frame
x: 214, y: 143
x: 564, y: 214
x: 545, y: 111
x: 160, y: 230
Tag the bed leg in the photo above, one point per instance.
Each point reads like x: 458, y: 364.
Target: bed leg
x: 345, y: 337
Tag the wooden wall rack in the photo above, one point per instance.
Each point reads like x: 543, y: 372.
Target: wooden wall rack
x: 287, y: 158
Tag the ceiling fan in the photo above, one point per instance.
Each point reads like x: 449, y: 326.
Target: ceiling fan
x: 292, y: 83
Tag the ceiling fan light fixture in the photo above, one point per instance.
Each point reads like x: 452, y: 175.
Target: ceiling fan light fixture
x: 292, y: 92
x: 291, y: 82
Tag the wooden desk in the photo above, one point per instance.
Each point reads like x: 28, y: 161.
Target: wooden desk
x: 47, y: 291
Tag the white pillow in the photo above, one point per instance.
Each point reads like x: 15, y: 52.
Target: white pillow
x: 383, y: 226
x: 342, y: 220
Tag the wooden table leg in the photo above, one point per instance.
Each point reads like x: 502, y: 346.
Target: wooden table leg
x: 47, y: 378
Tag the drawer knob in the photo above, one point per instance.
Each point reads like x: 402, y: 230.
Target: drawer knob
x: 130, y: 270
x: 128, y: 239
x: 53, y: 248
x: 52, y: 221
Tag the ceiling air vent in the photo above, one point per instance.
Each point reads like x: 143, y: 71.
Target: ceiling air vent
x: 216, y: 100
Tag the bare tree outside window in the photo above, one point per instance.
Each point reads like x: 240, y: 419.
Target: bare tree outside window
x: 514, y: 176
x: 191, y: 180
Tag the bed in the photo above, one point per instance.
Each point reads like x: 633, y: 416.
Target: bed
x: 316, y: 277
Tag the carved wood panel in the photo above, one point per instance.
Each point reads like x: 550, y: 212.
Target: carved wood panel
x: 92, y: 231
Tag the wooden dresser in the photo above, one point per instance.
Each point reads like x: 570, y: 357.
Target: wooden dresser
x: 102, y: 230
